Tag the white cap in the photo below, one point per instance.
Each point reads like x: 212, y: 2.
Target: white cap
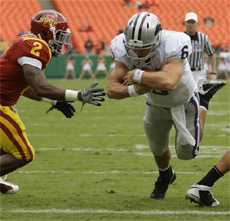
x: 191, y: 16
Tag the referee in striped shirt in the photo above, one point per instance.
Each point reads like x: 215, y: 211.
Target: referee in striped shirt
x: 200, y: 45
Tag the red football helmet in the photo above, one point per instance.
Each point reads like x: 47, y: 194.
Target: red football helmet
x: 52, y: 27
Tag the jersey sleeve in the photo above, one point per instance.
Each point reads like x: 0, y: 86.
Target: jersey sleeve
x: 118, y: 50
x: 177, y: 46
x: 37, y: 49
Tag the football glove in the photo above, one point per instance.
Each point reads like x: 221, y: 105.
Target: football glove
x: 65, y: 107
x: 90, y: 95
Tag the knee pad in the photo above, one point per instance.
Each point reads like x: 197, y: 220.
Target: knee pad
x: 156, y: 149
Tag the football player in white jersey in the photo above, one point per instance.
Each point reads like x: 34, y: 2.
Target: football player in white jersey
x: 153, y: 62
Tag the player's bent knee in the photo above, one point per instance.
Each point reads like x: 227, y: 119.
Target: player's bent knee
x: 26, y: 156
x: 185, y: 152
x: 156, y: 151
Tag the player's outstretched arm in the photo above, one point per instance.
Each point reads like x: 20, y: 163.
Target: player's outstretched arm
x: 65, y: 107
x: 37, y: 80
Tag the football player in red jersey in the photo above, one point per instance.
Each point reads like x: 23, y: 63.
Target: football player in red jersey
x: 22, y: 73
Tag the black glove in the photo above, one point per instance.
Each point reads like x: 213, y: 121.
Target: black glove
x: 91, y: 95
x: 65, y: 107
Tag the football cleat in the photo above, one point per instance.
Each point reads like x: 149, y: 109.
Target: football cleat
x: 161, y: 186
x: 6, y: 187
x: 209, y: 87
x: 202, y: 195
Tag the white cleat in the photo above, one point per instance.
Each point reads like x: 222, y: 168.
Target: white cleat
x: 8, y: 188
x: 202, y: 195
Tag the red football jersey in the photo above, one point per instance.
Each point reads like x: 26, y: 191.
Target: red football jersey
x: 13, y: 82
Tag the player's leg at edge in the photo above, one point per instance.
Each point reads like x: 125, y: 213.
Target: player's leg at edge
x: 9, y: 163
x: 200, y: 192
x: 207, y: 89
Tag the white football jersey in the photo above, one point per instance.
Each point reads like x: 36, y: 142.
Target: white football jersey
x: 174, y: 45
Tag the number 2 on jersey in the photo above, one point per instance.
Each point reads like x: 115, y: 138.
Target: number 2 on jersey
x: 35, y: 50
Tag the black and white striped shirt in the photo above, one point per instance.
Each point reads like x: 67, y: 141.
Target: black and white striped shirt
x: 200, y: 45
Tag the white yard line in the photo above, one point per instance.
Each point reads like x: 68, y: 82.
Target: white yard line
x: 82, y: 149
x: 136, y: 147
x: 93, y: 211
x: 99, y: 172
x: 118, y: 135
x: 87, y: 135
x: 215, y: 155
x: 205, y: 151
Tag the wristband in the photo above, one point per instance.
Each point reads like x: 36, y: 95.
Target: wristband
x: 137, y: 76
x: 132, y: 91
x: 71, y: 95
x: 47, y: 100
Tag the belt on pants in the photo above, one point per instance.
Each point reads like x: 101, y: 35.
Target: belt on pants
x: 197, y: 68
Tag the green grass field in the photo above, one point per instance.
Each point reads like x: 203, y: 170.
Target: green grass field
x: 97, y: 165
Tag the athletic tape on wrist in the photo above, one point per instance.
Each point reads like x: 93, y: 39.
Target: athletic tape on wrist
x: 137, y: 76
x: 71, y: 95
x: 132, y: 91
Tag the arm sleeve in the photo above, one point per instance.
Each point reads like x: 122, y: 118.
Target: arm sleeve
x: 32, y: 61
x: 119, y: 52
x: 37, y: 49
x: 181, y: 47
